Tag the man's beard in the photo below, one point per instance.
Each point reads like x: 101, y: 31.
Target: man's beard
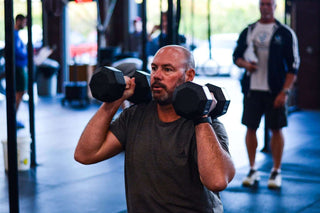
x: 165, y: 99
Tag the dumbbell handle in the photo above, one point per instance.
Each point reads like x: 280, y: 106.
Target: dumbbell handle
x: 222, y: 100
x: 191, y: 100
x: 142, y: 92
x: 214, y: 102
x: 109, y: 84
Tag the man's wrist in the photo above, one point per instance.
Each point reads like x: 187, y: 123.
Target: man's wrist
x: 286, y: 91
x: 202, y: 120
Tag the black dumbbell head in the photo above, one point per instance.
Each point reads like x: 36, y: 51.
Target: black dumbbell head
x: 142, y: 92
x: 191, y: 100
x: 222, y: 98
x: 107, y: 84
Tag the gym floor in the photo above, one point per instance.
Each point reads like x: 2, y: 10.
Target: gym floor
x: 59, y: 184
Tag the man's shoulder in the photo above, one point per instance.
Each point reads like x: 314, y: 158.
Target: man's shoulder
x: 250, y: 27
x: 282, y: 26
x: 142, y: 107
x: 285, y: 30
x: 253, y: 24
x: 16, y: 33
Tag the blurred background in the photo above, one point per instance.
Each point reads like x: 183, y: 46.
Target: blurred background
x: 72, y: 38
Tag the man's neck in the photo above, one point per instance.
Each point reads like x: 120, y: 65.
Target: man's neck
x: 267, y: 21
x: 167, y: 113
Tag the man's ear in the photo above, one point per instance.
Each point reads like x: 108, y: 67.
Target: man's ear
x: 190, y: 73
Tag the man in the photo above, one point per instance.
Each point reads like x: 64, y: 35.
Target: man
x: 268, y: 51
x: 135, y: 38
x: 21, y: 63
x: 161, y: 39
x: 171, y: 163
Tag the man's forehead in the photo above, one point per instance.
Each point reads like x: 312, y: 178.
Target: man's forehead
x: 268, y: 1
x: 168, y: 60
x: 171, y: 53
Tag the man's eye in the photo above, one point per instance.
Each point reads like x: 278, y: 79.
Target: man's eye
x: 167, y: 69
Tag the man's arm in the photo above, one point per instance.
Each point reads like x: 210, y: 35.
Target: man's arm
x: 239, y: 51
x: 282, y: 97
x: 215, y: 165
x: 292, y: 58
x: 249, y: 66
x: 20, y: 49
x: 96, y: 142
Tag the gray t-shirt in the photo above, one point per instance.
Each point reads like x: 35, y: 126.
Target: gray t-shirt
x: 161, y: 172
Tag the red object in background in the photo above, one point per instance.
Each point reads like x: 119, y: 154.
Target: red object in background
x: 83, y: 1
x: 77, y: 50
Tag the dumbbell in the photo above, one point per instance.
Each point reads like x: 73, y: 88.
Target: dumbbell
x: 107, y: 84
x: 191, y: 100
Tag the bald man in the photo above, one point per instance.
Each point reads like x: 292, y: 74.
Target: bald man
x: 172, y: 164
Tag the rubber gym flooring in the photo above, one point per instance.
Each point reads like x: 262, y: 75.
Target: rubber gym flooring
x: 58, y: 184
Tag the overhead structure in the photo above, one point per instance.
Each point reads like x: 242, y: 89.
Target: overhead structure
x: 173, y: 17
x: 210, y: 66
x: 11, y: 109
x: 11, y: 101
x: 144, y: 35
x: 30, y: 85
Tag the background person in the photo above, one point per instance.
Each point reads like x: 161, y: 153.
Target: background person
x: 156, y: 41
x: 21, y: 63
x: 266, y: 83
x: 135, y: 38
x: 171, y: 164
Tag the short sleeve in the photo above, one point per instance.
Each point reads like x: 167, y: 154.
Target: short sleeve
x: 221, y: 134
x: 120, y: 125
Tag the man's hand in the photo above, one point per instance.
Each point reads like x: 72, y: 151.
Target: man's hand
x: 280, y: 100
x: 130, y: 86
x: 250, y: 66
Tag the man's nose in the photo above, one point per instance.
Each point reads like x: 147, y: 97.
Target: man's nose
x: 157, y: 73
